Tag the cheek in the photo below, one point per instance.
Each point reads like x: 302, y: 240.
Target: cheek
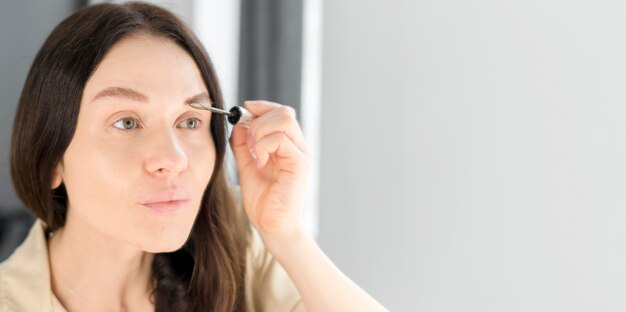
x: 201, y: 158
x: 93, y: 165
x: 101, y: 182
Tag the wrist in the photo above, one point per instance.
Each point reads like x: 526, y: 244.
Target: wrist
x: 281, y: 246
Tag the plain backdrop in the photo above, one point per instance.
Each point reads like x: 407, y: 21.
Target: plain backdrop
x: 473, y: 152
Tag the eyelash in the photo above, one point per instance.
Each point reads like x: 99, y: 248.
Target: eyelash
x: 137, y: 126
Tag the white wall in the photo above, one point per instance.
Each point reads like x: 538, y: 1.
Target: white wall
x: 311, y: 105
x: 473, y: 152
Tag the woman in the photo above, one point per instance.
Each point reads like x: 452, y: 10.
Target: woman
x: 127, y: 181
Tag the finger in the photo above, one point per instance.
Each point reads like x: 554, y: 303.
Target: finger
x: 241, y: 141
x: 289, y: 156
x: 278, y: 120
x: 241, y: 148
x: 259, y: 108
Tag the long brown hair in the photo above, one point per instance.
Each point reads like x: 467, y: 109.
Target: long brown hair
x: 208, y: 272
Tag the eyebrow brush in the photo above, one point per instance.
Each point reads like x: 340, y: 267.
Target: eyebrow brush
x: 236, y: 116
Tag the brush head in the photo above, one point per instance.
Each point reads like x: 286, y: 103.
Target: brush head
x: 210, y: 108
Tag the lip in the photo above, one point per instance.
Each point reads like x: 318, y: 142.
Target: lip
x: 167, y: 206
x: 168, y: 201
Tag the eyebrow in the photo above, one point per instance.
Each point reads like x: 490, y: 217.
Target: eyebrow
x: 137, y: 96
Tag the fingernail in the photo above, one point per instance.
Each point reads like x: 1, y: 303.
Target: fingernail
x: 253, y: 153
x: 249, y: 140
x: 262, y: 162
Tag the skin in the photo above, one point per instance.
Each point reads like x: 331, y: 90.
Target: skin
x: 100, y: 260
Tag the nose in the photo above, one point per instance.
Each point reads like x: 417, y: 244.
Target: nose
x: 165, y: 157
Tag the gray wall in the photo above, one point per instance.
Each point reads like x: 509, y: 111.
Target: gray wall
x: 24, y: 25
x: 473, y: 153
x: 270, y: 56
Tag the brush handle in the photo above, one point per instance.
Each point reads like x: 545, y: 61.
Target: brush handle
x: 240, y: 116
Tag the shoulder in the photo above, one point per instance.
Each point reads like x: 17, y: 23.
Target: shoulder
x: 268, y: 286
x: 24, y: 276
x: 1, y: 292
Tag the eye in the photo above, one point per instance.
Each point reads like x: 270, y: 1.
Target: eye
x: 126, y: 123
x: 191, y: 123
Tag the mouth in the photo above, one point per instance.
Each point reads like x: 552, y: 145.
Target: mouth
x: 167, y: 202
x: 169, y: 206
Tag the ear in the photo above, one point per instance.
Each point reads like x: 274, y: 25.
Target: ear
x: 57, y: 178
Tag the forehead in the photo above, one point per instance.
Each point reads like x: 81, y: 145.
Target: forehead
x: 149, y: 62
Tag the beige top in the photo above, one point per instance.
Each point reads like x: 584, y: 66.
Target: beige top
x: 25, y: 279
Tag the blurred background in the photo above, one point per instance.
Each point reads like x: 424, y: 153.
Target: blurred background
x: 469, y: 155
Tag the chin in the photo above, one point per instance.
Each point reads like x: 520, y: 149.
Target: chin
x: 164, y: 243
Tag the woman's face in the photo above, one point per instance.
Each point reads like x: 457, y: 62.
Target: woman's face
x: 138, y: 142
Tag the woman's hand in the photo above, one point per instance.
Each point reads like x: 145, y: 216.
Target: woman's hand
x: 273, y: 183
x: 273, y: 196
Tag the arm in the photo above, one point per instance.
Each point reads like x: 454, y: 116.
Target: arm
x: 322, y: 286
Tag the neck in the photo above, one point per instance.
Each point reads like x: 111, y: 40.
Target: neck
x: 91, y: 271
